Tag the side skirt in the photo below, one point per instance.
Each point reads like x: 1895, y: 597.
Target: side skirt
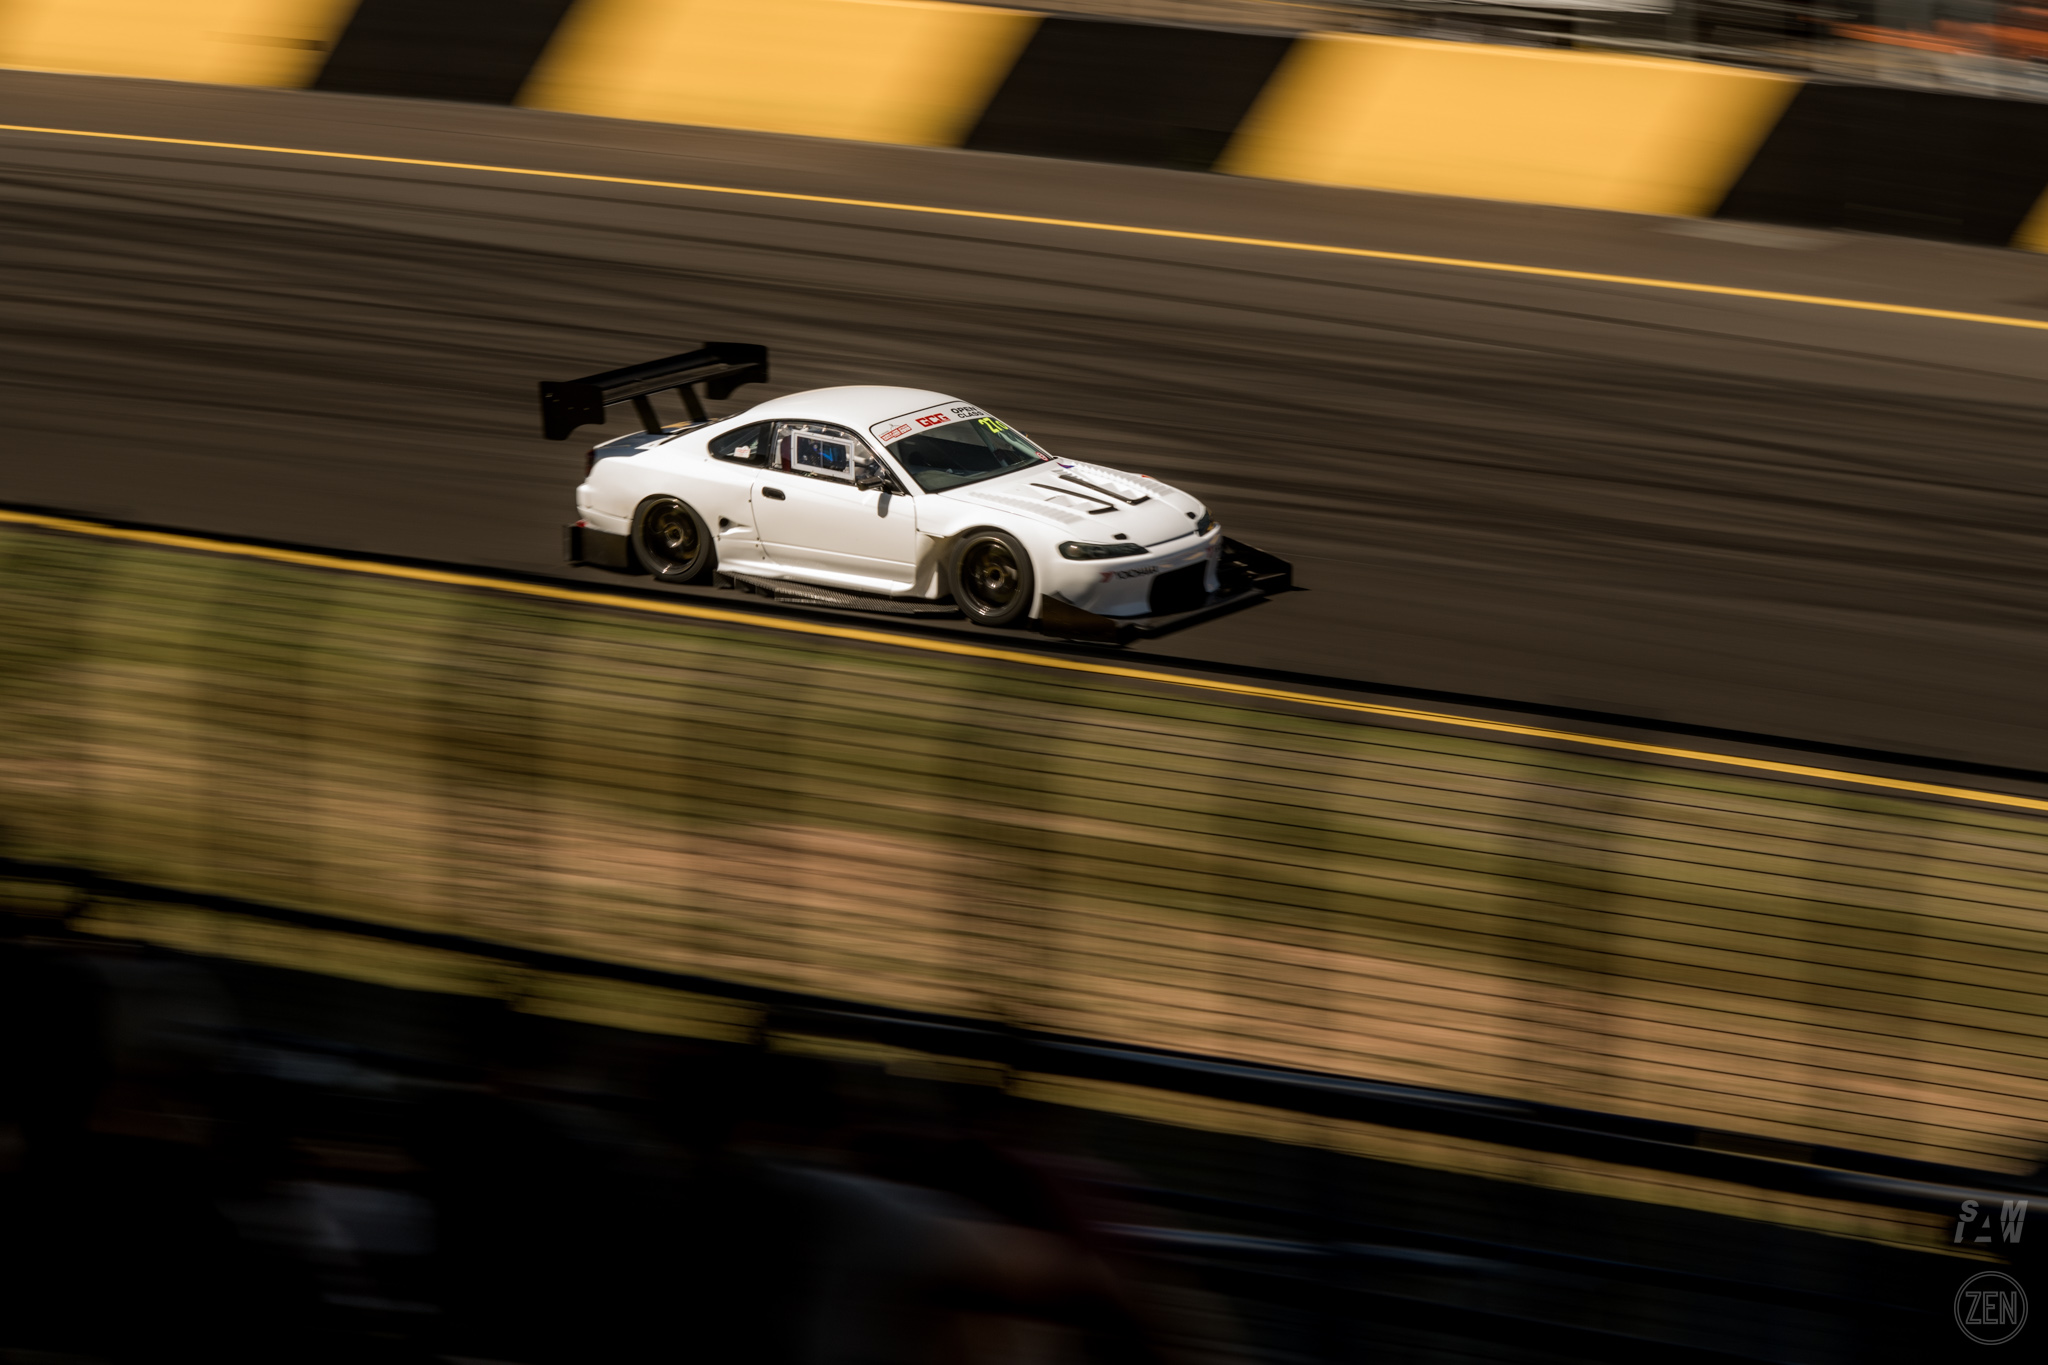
x: 806, y: 594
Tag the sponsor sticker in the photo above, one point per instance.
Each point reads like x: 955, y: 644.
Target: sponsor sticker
x: 896, y: 428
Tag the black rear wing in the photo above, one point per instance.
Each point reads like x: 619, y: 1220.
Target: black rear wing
x: 721, y: 366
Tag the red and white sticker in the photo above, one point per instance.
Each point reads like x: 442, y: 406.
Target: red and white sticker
x: 896, y: 428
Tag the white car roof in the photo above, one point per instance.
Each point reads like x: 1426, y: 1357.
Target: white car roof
x: 859, y: 406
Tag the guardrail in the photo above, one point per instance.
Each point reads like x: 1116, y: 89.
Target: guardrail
x: 1838, y: 967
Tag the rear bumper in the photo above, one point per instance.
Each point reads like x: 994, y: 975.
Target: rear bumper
x: 599, y: 549
x: 1246, y: 576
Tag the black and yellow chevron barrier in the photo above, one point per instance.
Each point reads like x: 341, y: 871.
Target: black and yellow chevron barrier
x: 1541, y: 126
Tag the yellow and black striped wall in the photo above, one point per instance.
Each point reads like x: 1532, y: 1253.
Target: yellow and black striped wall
x: 1543, y: 126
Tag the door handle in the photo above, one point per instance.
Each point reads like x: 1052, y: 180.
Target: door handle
x: 775, y: 493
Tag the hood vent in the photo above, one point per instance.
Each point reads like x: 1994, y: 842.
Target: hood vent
x: 1091, y: 497
x: 1072, y: 477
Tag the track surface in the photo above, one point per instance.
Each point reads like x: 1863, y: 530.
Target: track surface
x: 1769, y: 517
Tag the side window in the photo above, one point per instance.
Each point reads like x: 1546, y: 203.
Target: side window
x: 743, y: 445
x: 820, y: 451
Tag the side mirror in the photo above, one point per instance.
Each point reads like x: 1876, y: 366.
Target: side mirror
x: 874, y: 474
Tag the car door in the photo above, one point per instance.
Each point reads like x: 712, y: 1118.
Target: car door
x: 812, y: 519
x: 725, y: 488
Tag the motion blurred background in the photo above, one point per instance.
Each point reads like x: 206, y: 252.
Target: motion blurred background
x: 1601, y: 919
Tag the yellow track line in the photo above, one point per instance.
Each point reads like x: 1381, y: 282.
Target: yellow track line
x: 940, y: 645
x: 1176, y: 234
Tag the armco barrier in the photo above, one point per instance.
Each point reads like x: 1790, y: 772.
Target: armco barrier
x: 1549, y: 126
x: 1058, y: 845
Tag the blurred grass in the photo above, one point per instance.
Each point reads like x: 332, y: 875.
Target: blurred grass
x: 1054, y: 850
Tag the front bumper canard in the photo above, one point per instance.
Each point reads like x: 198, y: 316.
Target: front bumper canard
x: 1246, y: 576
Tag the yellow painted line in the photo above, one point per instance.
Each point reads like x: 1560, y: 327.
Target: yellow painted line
x: 961, y: 649
x: 1079, y: 224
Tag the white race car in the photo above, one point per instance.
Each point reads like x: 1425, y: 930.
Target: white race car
x: 890, y: 499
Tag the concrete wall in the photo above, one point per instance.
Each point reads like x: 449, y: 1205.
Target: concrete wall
x: 1529, y: 125
x: 902, y: 71
x: 1534, y: 125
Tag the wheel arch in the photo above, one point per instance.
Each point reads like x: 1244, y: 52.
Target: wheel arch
x: 699, y: 566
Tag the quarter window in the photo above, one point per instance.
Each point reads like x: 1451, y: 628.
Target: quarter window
x: 744, y: 445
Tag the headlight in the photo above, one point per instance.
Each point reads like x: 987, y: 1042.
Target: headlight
x: 1076, y: 549
x: 1205, y: 525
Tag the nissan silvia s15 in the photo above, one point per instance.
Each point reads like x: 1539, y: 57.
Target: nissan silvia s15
x: 894, y: 500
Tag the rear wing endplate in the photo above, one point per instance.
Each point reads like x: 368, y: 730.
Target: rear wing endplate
x: 720, y: 366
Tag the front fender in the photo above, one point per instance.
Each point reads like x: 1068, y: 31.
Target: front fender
x: 1041, y: 544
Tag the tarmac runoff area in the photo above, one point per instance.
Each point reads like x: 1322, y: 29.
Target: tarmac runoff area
x: 1722, y: 506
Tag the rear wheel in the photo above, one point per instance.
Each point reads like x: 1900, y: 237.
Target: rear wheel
x: 671, y: 542
x: 992, y: 579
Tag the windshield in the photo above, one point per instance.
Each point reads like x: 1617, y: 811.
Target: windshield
x: 963, y: 451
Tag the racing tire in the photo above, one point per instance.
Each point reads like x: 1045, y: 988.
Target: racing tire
x: 992, y: 580
x: 671, y: 542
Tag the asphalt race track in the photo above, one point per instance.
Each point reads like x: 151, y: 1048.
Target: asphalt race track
x: 1774, y: 517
